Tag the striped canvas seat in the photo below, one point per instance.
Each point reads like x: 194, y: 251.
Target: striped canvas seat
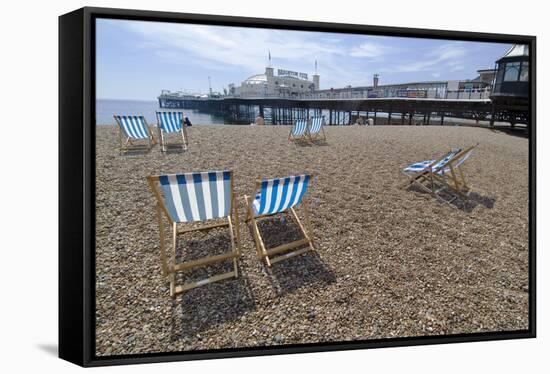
x: 460, y: 161
x: 435, y: 176
x: 437, y: 167
x: 445, y: 160
x: 278, y: 195
x: 184, y: 200
x: 134, y: 126
x: 170, y: 121
x: 418, y: 166
x: 315, y: 130
x: 299, y: 128
x: 316, y: 124
x: 194, y: 197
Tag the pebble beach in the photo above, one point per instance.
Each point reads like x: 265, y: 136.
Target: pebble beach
x: 389, y: 262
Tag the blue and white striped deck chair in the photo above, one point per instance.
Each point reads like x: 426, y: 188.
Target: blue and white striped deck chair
x: 316, y: 129
x: 134, y: 131
x: 171, y: 123
x: 190, y: 198
x: 452, y: 175
x: 275, y: 196
x: 299, y: 130
x: 424, y: 171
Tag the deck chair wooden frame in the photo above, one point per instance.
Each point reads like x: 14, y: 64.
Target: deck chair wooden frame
x: 273, y: 255
x: 128, y: 143
x: 319, y: 135
x: 452, y: 176
x: 428, y: 174
x: 170, y: 267
x: 300, y: 138
x: 164, y: 136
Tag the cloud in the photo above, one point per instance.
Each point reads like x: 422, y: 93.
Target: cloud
x: 444, y: 57
x: 223, y: 48
x: 234, y: 53
x: 370, y: 50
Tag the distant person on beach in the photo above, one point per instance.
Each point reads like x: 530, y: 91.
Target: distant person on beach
x: 260, y: 121
x: 187, y: 121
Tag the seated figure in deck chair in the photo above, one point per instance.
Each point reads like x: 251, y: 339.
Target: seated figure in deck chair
x: 299, y: 130
x: 168, y: 123
x: 452, y: 176
x: 315, y: 130
x: 421, y: 172
x: 274, y: 196
x: 134, y: 129
x: 190, y: 198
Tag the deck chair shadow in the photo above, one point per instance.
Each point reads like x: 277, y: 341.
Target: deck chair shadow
x: 134, y: 133
x: 316, y: 129
x: 452, y: 176
x: 190, y: 198
x: 171, y: 124
x: 299, y: 130
x: 422, y: 173
x: 276, y: 196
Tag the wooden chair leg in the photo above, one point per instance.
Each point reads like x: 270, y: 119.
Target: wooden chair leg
x: 162, y: 141
x: 172, y: 285
x: 260, y: 246
x: 234, y: 246
x: 464, y: 184
x: 308, y: 224
x: 457, y: 187
x: 305, y: 232
x: 248, y: 210
x: 184, y: 138
x: 174, y: 243
x: 237, y: 226
x: 164, y: 264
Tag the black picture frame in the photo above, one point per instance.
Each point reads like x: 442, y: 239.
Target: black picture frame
x: 77, y: 184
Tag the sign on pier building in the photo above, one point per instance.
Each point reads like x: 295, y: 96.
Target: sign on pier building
x: 286, y: 83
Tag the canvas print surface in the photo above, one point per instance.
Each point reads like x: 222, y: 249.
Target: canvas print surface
x: 264, y: 187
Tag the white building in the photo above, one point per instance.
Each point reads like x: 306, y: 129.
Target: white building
x: 285, y: 84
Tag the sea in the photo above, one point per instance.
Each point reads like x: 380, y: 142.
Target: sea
x: 106, y: 108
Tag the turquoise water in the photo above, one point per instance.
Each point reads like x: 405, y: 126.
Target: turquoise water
x: 106, y: 108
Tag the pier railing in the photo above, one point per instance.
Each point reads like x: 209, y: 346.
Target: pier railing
x: 467, y: 94
x: 347, y: 107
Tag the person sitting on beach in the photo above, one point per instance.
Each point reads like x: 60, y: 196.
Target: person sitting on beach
x: 187, y: 121
x: 259, y: 121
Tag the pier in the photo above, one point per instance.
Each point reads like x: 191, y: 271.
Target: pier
x: 347, y: 111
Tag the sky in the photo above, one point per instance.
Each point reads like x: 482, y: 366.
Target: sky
x: 135, y: 60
